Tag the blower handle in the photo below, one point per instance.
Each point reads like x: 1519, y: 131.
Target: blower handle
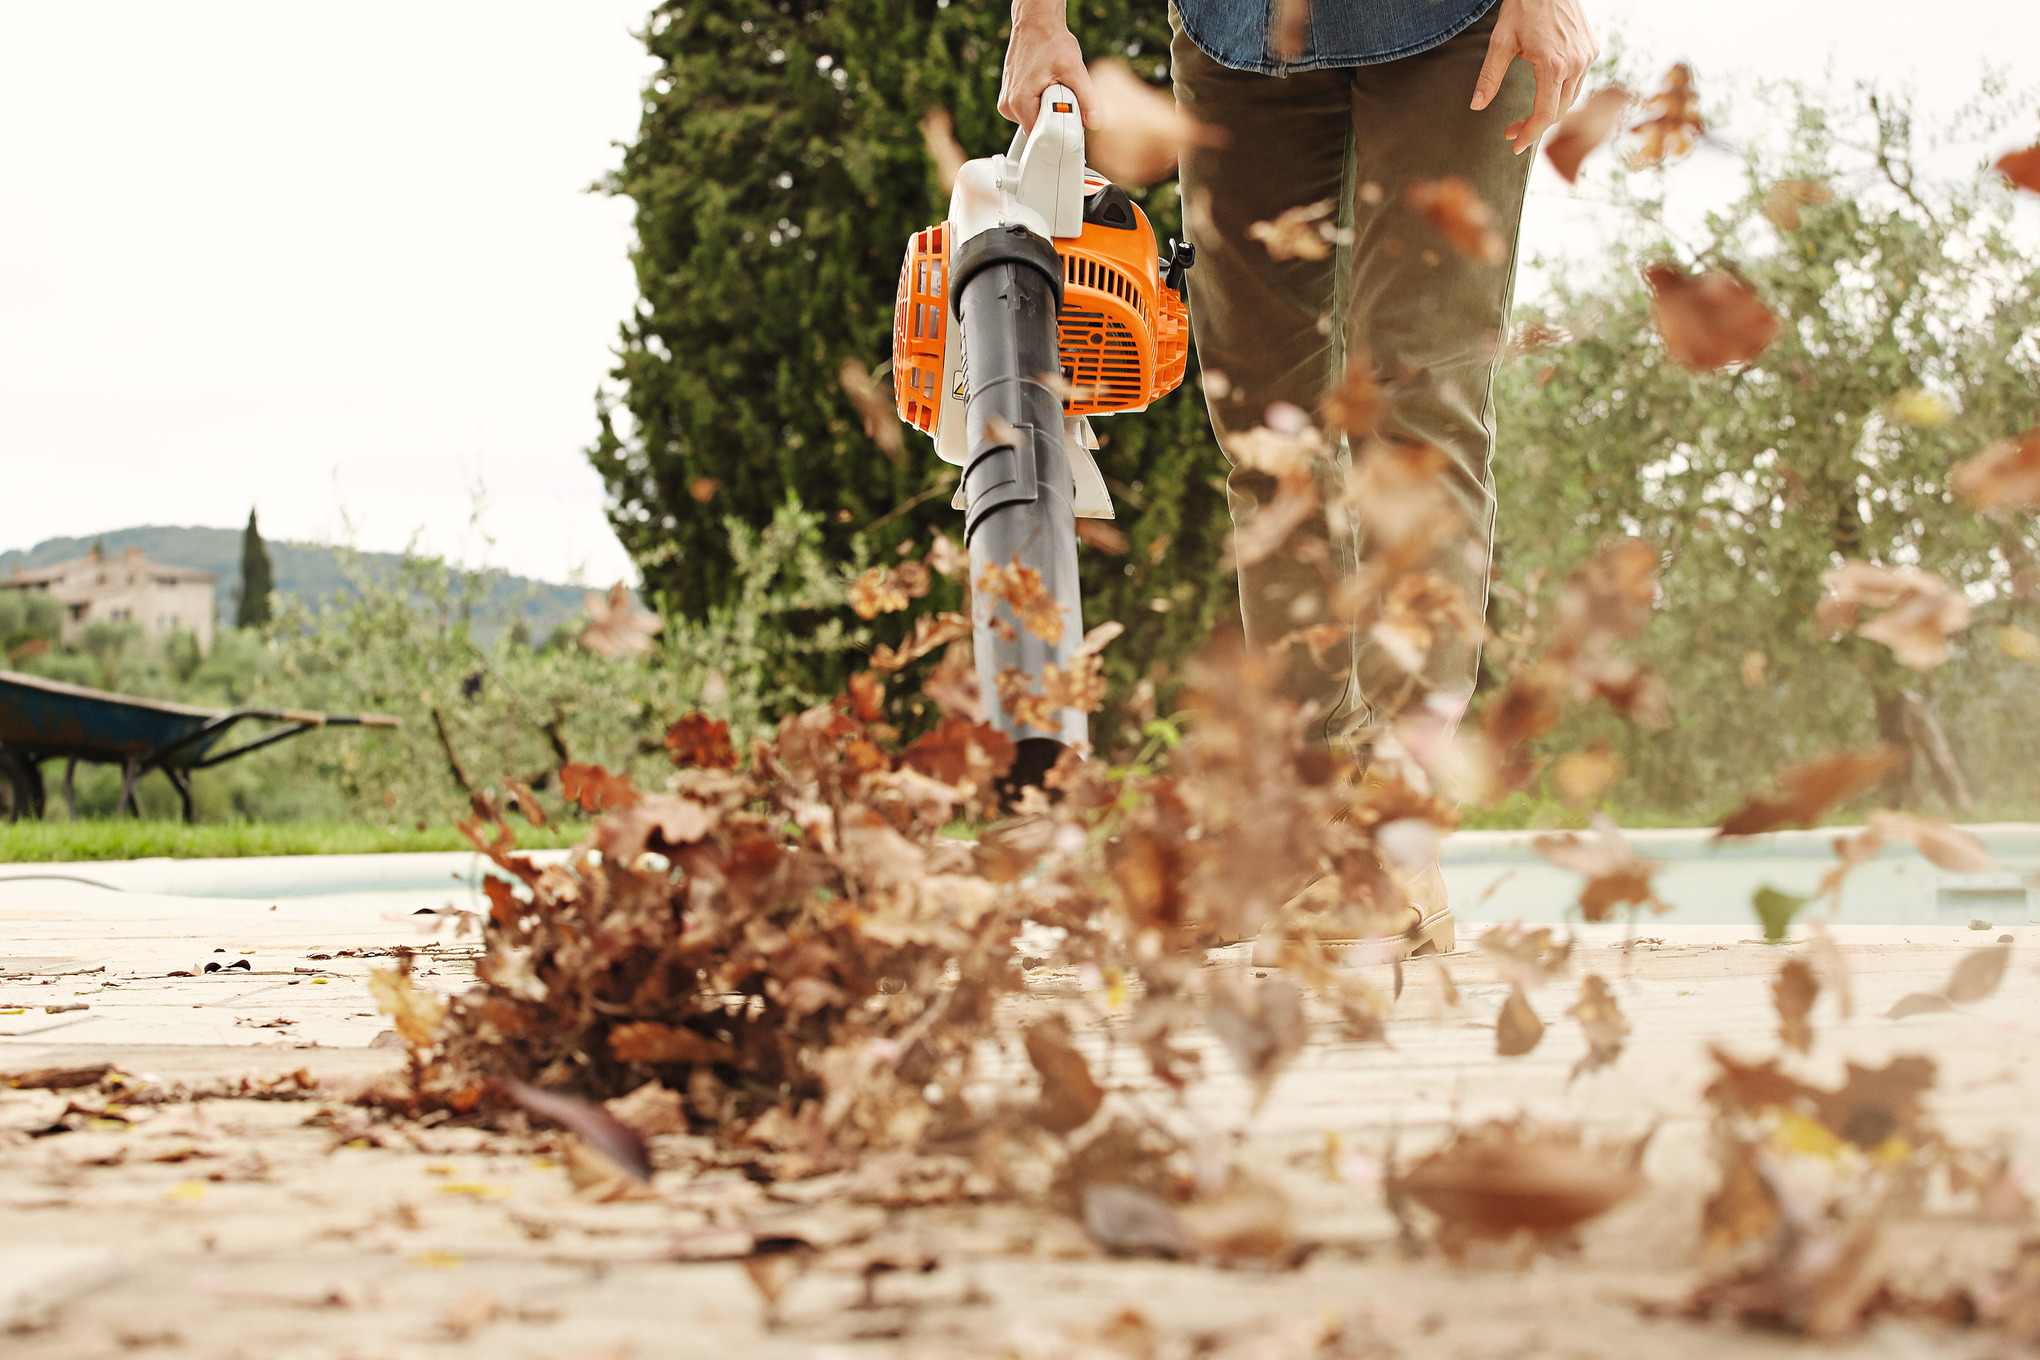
x: 1044, y: 171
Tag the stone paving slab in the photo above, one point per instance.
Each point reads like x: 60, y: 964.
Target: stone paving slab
x: 234, y: 1229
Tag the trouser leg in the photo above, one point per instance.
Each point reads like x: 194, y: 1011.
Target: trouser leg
x: 1430, y: 317
x: 1265, y: 328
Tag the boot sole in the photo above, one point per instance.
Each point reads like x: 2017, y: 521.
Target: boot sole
x: 1434, y: 934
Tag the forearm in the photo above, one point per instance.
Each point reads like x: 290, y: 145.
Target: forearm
x: 1041, y: 53
x: 1039, y: 13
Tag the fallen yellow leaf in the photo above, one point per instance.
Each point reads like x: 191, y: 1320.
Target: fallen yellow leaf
x: 476, y: 1189
x: 186, y: 1191
x: 439, y: 1260
x: 439, y: 1169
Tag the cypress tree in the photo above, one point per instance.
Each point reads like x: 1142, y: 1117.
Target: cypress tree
x: 778, y: 171
x: 258, y: 582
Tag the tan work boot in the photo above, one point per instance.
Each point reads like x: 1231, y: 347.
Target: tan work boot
x: 1429, y: 928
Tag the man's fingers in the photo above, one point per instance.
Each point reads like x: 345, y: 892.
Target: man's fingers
x: 1026, y: 106
x: 1502, y: 48
x: 1570, y: 93
x: 1544, y: 113
x: 1079, y: 81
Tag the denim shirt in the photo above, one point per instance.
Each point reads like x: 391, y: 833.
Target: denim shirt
x: 1342, y: 32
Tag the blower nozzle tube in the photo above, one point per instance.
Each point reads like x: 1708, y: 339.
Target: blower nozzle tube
x: 1018, y: 491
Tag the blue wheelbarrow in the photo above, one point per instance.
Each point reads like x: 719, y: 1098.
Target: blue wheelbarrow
x: 43, y: 720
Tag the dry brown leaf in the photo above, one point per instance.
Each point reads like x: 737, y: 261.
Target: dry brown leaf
x: 938, y: 136
x: 2005, y: 474
x: 1455, y: 208
x: 1019, y: 588
x: 1263, y: 1027
x: 1787, y: 197
x: 2021, y: 169
x: 1591, y: 123
x: 1501, y: 1179
x: 417, y: 1015
x: 602, y: 1131
x: 1128, y: 1221
x: 650, y: 1110
x: 1601, y: 1020
x: 1526, y: 956
x: 883, y: 590
x: 876, y: 409
x: 960, y: 750
x: 1833, y: 967
x: 945, y: 558
x: 930, y: 631
x: 1306, y: 232
x: 952, y: 683
x: 1756, y: 670
x: 1977, y: 974
x: 594, y: 789
x: 1421, y: 610
x: 699, y: 740
x: 1616, y: 876
x: 1709, y: 320
x: 1918, y: 1003
x: 1069, y: 1093
x: 649, y: 1041
x: 703, y: 489
x: 1517, y: 1028
x: 618, y: 627
x: 1744, y: 1208
x: 1249, y: 1221
x: 1359, y: 404
x: 1098, y: 534
x: 1136, y: 131
x: 1793, y: 992
x: 1288, y: 28
x: 1674, y: 125
x: 1583, y: 776
x: 1918, y: 611
x: 1810, y: 790
x: 1877, y: 1103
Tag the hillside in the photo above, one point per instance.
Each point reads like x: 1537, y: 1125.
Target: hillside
x: 306, y: 570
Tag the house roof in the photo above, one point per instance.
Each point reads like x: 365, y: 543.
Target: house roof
x: 75, y: 575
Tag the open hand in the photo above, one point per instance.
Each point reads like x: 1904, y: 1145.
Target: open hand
x: 1042, y: 52
x: 1552, y: 36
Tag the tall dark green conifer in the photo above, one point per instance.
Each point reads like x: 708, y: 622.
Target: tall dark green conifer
x: 778, y: 171
x: 258, y: 582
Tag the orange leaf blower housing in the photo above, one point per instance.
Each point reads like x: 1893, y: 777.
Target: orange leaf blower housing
x: 1124, y: 333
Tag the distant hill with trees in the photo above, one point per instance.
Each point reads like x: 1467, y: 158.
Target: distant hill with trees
x: 309, y: 571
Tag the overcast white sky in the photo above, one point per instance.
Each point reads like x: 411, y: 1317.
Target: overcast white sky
x: 338, y: 261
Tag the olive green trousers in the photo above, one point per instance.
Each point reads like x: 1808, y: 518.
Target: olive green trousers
x: 1428, y: 318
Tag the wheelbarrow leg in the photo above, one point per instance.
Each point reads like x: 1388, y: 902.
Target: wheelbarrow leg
x: 181, y: 781
x: 130, y: 771
x: 71, y: 787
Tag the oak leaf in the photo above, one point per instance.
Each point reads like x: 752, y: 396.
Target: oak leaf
x: 617, y: 627
x: 1593, y: 122
x: 1709, y: 320
x: 1135, y: 131
x: 1674, y: 125
x: 1455, y: 208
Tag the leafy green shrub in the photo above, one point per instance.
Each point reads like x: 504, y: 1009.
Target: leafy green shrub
x: 1911, y: 313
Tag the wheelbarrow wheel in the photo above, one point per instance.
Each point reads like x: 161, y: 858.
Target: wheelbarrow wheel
x: 20, y: 789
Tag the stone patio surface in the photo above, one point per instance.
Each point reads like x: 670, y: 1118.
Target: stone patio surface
x: 231, y: 1227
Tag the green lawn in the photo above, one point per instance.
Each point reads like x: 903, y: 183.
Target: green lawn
x: 26, y: 842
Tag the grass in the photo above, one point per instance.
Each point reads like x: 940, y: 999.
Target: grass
x: 30, y: 842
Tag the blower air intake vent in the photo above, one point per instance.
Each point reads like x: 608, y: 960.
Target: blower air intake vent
x: 1101, y: 362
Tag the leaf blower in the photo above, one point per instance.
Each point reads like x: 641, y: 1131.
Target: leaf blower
x: 1039, y: 303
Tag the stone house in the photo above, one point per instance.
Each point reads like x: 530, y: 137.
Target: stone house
x: 125, y: 589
